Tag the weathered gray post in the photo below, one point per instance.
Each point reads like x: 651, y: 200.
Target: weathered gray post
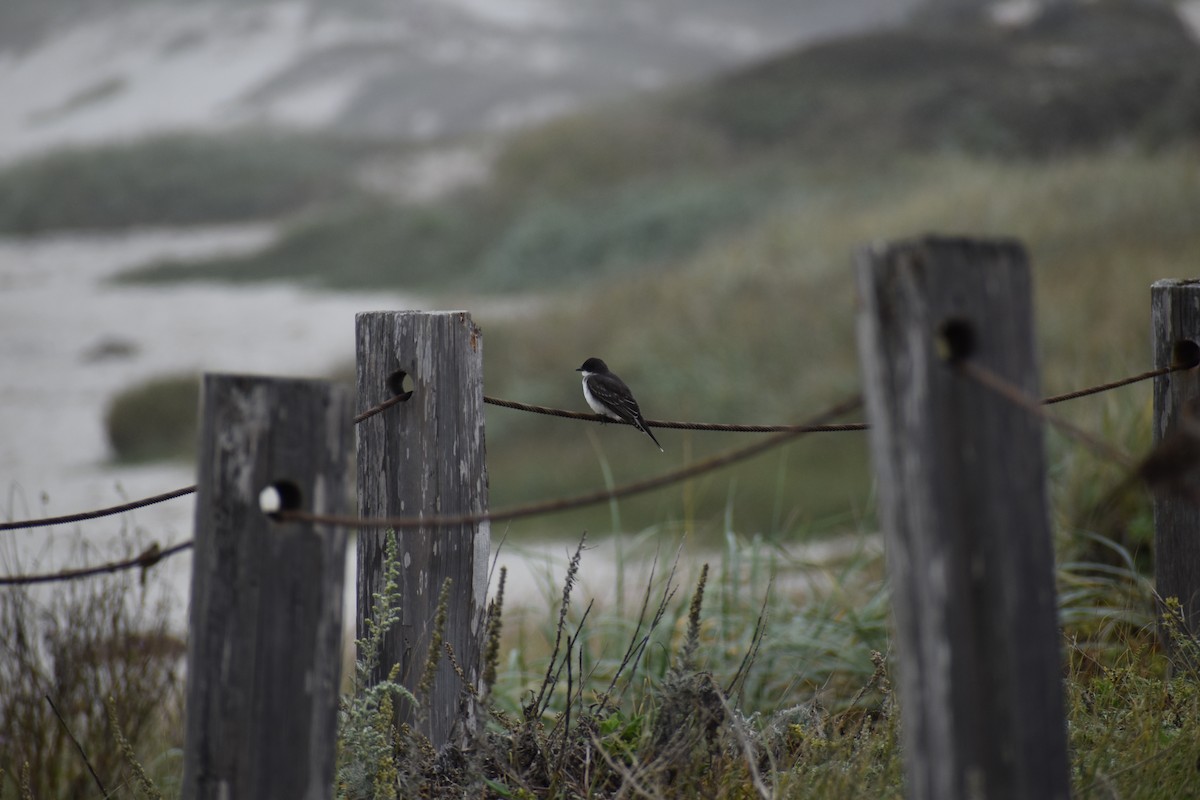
x: 264, y: 648
x: 425, y: 456
x: 962, y: 504
x: 1175, y: 312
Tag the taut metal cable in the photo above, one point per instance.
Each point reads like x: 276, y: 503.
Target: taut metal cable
x: 146, y: 559
x: 849, y: 426
x: 395, y: 400
x: 101, y: 512
x: 578, y: 501
x: 1104, y: 387
x: 386, y: 404
x: 1014, y: 394
x: 687, y: 426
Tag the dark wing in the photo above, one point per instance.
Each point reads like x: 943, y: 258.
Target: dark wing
x: 612, y: 391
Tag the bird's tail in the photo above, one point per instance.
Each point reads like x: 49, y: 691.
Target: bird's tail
x: 644, y: 428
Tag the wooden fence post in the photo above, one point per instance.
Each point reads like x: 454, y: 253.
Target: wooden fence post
x: 1175, y: 312
x: 264, y: 648
x: 425, y: 456
x: 962, y: 504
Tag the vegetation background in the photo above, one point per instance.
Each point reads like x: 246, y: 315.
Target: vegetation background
x: 700, y: 239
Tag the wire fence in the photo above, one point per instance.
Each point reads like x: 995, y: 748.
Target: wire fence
x: 146, y: 559
x: 83, y: 516
x: 678, y: 424
x: 583, y: 500
x: 820, y: 423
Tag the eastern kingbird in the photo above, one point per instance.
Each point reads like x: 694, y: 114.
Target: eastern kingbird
x: 610, y: 397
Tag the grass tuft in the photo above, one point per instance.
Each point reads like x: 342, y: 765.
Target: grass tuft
x: 599, y: 726
x: 491, y: 638
x: 692, y: 640
x: 79, y: 645
x: 437, y: 634
x: 139, y: 772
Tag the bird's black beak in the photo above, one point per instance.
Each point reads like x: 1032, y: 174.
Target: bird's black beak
x: 579, y: 369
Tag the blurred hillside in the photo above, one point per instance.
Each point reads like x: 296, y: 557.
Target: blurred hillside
x: 76, y: 72
x: 640, y: 182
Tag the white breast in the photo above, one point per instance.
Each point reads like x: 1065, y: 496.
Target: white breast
x: 596, y: 405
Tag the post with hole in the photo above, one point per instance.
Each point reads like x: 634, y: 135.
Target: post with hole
x: 265, y: 638
x: 425, y: 456
x: 1175, y: 315
x: 962, y: 504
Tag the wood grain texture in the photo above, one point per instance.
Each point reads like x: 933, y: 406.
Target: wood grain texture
x: 264, y: 649
x: 962, y: 503
x: 425, y: 456
x: 1175, y: 317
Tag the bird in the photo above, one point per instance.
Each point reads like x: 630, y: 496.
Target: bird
x: 610, y: 397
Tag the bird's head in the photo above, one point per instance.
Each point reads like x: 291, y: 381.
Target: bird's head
x: 593, y: 365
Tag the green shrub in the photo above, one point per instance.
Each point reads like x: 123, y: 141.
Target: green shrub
x: 584, y: 153
x: 366, y: 244
x: 176, y: 179
x: 491, y: 241
x: 641, y: 223
x: 155, y: 420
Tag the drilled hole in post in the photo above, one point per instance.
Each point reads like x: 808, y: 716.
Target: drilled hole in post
x: 400, y: 383
x: 279, y: 496
x: 955, y: 340
x: 1185, y: 353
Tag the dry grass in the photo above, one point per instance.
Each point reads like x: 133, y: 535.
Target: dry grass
x: 82, y: 645
x: 660, y: 701
x: 768, y: 678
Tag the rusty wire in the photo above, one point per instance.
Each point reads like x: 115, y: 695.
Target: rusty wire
x: 1104, y: 387
x: 675, y: 424
x: 1016, y: 395
x: 386, y: 404
x: 98, y: 513
x: 146, y: 559
x: 558, y: 412
x: 578, y: 501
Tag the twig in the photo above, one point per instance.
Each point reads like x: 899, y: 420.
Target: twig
x: 78, y: 746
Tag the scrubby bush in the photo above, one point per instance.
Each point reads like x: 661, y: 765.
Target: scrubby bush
x: 177, y: 179
x: 155, y: 420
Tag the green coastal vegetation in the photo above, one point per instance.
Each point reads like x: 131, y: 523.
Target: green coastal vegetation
x: 174, y: 179
x: 701, y: 241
